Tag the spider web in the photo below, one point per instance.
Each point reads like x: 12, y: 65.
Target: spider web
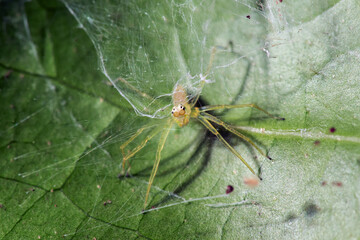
x: 144, y: 50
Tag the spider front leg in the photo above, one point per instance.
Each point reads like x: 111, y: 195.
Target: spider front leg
x: 208, y: 69
x: 136, y: 149
x: 161, y: 144
x: 134, y: 88
x: 203, y: 78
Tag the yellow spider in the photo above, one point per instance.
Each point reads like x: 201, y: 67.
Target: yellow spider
x: 184, y: 109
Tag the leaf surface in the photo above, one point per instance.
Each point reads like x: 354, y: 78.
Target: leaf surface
x: 66, y: 110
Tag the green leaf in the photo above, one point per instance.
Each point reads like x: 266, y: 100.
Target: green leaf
x: 79, y: 78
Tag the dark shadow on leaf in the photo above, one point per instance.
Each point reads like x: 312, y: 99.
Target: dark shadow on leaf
x: 311, y: 209
x: 290, y: 217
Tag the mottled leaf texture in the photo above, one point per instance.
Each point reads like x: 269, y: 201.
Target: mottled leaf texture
x: 79, y: 78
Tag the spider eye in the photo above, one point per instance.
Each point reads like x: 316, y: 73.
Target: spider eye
x: 182, y: 107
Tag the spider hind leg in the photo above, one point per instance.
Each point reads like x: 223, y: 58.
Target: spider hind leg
x: 127, y: 156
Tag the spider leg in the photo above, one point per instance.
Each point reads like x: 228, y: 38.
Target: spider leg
x: 139, y: 147
x: 212, y: 56
x: 234, y: 131
x: 216, y: 107
x: 134, y: 88
x: 161, y: 144
x: 202, y: 83
x: 209, y: 126
x: 138, y: 132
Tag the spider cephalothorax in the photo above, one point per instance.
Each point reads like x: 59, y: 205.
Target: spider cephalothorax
x: 181, y: 114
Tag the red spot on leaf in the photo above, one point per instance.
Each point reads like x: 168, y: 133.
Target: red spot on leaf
x: 8, y: 73
x: 337, y: 184
x: 229, y: 189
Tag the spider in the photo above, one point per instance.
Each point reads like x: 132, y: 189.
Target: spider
x: 183, y: 111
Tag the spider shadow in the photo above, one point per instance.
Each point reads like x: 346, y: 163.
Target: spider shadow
x: 243, y: 57
x: 206, y: 144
